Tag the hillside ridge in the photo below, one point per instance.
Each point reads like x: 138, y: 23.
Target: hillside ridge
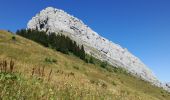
x: 56, y: 20
x: 71, y: 77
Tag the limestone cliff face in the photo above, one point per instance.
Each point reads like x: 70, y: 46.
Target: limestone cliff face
x: 55, y: 20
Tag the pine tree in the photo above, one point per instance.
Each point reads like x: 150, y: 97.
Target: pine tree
x: 91, y: 60
x: 52, y: 40
x: 82, y: 53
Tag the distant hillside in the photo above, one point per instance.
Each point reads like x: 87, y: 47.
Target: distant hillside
x: 32, y: 72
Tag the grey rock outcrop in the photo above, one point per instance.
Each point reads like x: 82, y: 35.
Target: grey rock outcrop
x: 55, y: 20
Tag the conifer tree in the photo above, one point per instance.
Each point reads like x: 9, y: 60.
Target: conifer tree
x: 52, y: 40
x: 91, y: 60
x: 82, y: 53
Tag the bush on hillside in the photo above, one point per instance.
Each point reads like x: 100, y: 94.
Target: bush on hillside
x: 103, y: 64
x: 50, y: 60
x: 13, y: 38
x: 91, y: 60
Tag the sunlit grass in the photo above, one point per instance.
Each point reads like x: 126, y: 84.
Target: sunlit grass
x: 70, y: 78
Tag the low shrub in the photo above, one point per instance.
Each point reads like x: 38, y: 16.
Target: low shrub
x: 50, y: 60
x: 113, y: 83
x: 7, y: 76
x: 86, y: 60
x: 13, y: 38
x: 76, y: 67
x: 91, y: 60
x: 103, y: 64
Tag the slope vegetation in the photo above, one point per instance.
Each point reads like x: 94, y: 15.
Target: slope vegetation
x: 41, y: 73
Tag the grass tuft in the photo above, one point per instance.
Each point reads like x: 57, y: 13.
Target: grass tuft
x: 50, y: 60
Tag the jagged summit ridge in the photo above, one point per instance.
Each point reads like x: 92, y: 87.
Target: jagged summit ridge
x: 55, y: 20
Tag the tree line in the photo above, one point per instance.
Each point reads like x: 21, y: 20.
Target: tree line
x: 55, y: 41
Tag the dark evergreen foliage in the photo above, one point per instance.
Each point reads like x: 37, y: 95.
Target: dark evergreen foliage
x: 58, y: 42
x: 91, y: 60
x: 82, y: 53
x: 103, y: 64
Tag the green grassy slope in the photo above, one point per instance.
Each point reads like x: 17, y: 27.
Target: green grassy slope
x: 43, y: 74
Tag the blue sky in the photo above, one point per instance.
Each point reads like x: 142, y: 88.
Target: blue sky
x: 142, y: 26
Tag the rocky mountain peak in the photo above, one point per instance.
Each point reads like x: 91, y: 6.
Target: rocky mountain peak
x: 56, y: 20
